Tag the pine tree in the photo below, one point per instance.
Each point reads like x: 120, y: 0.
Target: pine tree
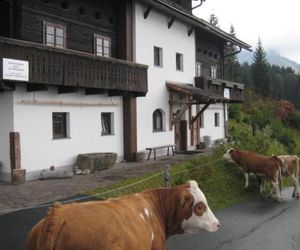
x: 214, y: 20
x: 260, y: 71
x: 231, y: 64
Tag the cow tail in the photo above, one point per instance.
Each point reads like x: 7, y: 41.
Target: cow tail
x: 51, y: 230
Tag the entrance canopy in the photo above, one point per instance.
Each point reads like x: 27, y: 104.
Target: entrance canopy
x: 189, y: 95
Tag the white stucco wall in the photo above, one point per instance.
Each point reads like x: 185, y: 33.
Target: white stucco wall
x: 209, y: 128
x: 151, y: 32
x: 34, y: 123
x: 6, y: 126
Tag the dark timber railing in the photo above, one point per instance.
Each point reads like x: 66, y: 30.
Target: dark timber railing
x: 217, y: 86
x: 62, y: 67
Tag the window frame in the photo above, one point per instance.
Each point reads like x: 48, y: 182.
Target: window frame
x: 157, y: 114
x: 217, y: 119
x: 103, y: 38
x: 64, y: 125
x: 110, y: 124
x: 55, y: 26
x: 179, y: 62
x: 160, y: 58
x: 198, y: 70
x: 213, y: 71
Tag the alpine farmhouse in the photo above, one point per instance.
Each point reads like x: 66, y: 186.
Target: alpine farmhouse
x: 108, y: 76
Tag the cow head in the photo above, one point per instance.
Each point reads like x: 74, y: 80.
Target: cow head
x: 228, y: 155
x: 200, y: 217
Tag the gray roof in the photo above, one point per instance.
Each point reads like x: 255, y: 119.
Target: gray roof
x: 188, y: 17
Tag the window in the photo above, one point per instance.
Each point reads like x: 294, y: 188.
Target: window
x: 60, y: 125
x: 157, y: 120
x: 217, y: 119
x: 107, y: 123
x: 227, y: 93
x: 179, y: 62
x: 213, y: 71
x: 54, y: 35
x: 157, y: 56
x: 198, y: 68
x: 102, y: 46
x: 202, y: 120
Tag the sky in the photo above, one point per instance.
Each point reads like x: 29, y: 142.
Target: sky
x: 276, y: 23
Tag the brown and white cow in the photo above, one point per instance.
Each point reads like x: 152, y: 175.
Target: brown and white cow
x: 140, y: 221
x: 264, y: 166
x: 290, y: 168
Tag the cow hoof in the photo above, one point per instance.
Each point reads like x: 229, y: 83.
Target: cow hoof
x: 294, y: 196
x: 298, y: 196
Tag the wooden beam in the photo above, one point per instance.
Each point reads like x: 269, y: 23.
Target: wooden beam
x: 171, y: 21
x: 36, y: 87
x: 171, y: 115
x: 94, y: 91
x: 67, y: 89
x: 116, y: 93
x: 190, y: 31
x: 147, y: 12
x: 200, y: 112
x: 11, y: 86
x: 181, y: 112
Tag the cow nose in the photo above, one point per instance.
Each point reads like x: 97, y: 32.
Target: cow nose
x: 217, y: 224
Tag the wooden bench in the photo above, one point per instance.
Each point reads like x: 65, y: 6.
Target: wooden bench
x: 172, y: 146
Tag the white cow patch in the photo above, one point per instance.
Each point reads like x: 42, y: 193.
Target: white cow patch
x: 142, y: 216
x: 152, y: 236
x: 146, y: 211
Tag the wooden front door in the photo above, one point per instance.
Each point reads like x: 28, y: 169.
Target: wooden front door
x: 181, y: 135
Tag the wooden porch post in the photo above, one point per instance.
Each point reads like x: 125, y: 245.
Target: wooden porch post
x: 17, y: 174
x: 130, y: 129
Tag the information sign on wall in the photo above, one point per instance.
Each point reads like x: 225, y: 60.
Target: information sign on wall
x: 16, y: 70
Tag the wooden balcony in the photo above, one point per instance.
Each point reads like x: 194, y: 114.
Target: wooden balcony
x: 217, y: 86
x: 72, y: 69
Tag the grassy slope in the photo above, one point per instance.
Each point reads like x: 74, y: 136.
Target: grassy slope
x: 222, y: 183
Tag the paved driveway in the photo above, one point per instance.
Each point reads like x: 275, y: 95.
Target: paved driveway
x: 257, y: 224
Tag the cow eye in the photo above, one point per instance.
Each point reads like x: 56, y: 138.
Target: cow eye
x: 200, y: 208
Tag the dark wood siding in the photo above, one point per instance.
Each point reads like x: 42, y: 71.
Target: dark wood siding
x: 60, y: 67
x: 81, y: 18
x: 209, y: 51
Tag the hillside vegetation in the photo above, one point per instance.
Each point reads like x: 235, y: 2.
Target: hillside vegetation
x: 265, y: 126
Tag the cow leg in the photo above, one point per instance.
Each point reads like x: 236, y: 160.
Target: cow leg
x: 262, y: 183
x: 246, y: 180
x: 296, y: 192
x: 275, y: 188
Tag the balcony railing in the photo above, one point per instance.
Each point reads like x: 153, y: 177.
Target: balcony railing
x: 62, y: 67
x: 217, y: 86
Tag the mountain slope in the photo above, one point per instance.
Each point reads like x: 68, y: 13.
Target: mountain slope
x: 273, y: 57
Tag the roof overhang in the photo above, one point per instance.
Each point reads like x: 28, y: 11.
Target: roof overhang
x: 196, y: 22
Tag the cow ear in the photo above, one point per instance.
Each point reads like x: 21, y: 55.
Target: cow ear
x: 230, y: 151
